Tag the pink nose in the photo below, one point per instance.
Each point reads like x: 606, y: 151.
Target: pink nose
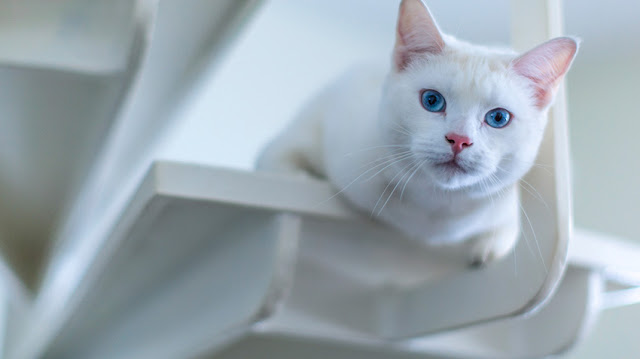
x: 458, y: 142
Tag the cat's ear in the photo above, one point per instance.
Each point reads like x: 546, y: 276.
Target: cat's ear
x: 416, y: 34
x: 546, y: 65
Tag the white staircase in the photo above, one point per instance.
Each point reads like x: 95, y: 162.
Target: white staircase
x: 158, y: 259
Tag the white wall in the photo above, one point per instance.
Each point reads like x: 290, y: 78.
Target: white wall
x: 604, y: 124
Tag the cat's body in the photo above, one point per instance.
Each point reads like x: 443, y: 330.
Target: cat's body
x: 439, y: 174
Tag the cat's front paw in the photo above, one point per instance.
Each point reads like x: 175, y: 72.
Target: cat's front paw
x: 491, y: 246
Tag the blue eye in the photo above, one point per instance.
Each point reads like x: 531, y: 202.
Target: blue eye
x: 497, y: 118
x: 433, y: 101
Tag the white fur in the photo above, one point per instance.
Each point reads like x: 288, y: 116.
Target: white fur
x: 370, y: 136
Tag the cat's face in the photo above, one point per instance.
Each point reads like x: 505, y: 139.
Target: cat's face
x: 471, y: 116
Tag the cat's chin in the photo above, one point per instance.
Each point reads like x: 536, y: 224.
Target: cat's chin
x: 451, y: 176
x: 454, y: 182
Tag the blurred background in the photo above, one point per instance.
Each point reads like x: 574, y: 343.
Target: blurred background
x: 292, y: 48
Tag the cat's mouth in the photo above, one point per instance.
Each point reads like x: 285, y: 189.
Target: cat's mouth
x: 454, y: 173
x: 452, y: 167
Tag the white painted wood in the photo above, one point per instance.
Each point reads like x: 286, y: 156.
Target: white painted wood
x: 14, y: 305
x: 64, y: 66
x: 533, y: 22
x: 71, y: 35
x: 208, y: 258
x: 226, y: 272
x: 398, y: 282
x: 570, y: 313
x: 191, y: 261
x: 591, y: 249
x: 616, y: 260
x: 351, y: 278
x: 405, y: 291
x: 165, y: 75
x: 554, y: 329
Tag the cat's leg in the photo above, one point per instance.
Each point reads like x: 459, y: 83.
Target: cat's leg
x: 297, y: 150
x: 493, y: 245
x: 415, y: 222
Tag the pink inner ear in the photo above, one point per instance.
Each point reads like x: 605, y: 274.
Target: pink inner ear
x: 546, y: 65
x: 417, y: 33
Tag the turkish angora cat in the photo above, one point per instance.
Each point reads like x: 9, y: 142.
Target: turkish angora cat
x: 435, y: 146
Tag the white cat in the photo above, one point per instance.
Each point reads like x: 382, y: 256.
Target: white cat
x: 435, y: 146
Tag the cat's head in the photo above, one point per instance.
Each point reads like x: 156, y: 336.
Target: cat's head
x: 474, y: 117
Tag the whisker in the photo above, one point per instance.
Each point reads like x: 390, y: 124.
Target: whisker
x: 535, y: 238
x: 401, y: 132
x: 387, y: 187
x: 409, y: 179
x: 486, y: 188
x: 515, y: 260
x: 537, y: 195
x: 546, y: 167
x: 396, y: 186
x: 500, y: 193
x: 385, y: 158
x: 374, y: 148
x: 401, y: 129
x: 402, y: 158
x: 524, y: 234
